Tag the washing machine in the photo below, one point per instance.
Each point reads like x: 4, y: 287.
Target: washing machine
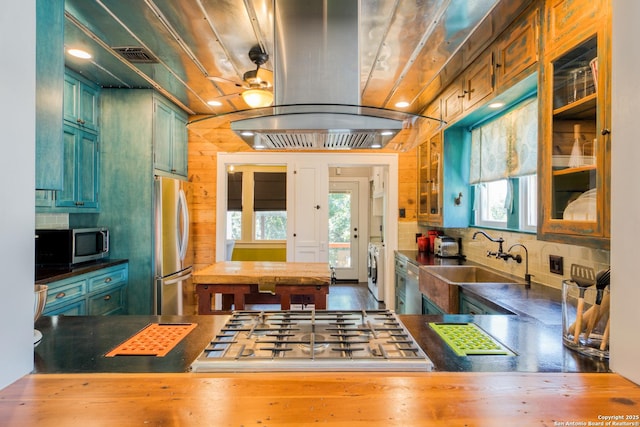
x: 375, y: 270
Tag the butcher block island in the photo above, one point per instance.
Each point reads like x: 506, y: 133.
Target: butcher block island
x: 234, y: 280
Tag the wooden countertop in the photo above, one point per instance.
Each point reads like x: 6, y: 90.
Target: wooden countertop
x: 264, y: 272
x: 353, y: 399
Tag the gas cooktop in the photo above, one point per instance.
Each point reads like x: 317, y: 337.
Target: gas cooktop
x: 315, y: 340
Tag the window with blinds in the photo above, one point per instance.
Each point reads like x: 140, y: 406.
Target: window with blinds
x: 256, y: 204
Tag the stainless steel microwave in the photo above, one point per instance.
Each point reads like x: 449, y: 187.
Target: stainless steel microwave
x: 66, y: 247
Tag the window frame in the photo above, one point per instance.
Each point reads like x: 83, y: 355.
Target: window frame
x: 517, y: 219
x: 480, y: 191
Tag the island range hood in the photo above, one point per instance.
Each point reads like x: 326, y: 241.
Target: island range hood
x: 317, y: 84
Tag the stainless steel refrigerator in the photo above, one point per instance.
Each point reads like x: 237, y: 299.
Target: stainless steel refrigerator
x: 173, y: 254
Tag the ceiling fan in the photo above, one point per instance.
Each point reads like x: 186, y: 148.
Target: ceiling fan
x: 257, y: 83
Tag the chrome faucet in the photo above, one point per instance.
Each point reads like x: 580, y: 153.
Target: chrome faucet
x: 518, y: 259
x: 499, y: 241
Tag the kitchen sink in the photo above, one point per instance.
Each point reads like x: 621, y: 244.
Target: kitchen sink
x: 467, y: 274
x: 441, y: 284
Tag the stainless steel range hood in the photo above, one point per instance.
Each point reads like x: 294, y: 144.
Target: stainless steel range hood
x: 317, y: 83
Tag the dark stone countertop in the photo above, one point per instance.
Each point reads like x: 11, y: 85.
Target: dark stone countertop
x: 48, y: 274
x: 422, y: 258
x: 533, y: 331
x: 78, y: 344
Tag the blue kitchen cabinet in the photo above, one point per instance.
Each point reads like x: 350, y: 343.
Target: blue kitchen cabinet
x: 80, y: 171
x: 79, y: 165
x: 45, y: 199
x: 470, y: 304
x: 137, y: 132
x: 170, y: 138
x: 80, y: 101
x: 429, y: 307
x: 49, y: 94
x: 100, y: 292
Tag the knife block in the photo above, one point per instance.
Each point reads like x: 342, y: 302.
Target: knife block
x: 595, y: 319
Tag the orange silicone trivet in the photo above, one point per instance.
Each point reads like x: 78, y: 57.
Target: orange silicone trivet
x: 156, y: 339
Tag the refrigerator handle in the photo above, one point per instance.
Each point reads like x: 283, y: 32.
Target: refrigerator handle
x: 183, y: 234
x: 177, y: 279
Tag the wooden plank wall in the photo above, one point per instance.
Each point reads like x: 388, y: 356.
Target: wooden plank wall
x: 204, y: 146
x: 408, y: 185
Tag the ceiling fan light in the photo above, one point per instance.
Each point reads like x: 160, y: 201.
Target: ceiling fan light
x: 256, y: 98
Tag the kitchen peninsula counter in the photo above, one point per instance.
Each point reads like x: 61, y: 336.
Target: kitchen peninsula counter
x: 338, y: 399
x: 74, y: 384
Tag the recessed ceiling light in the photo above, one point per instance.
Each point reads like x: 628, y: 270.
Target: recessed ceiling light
x: 495, y: 105
x: 79, y: 53
x: 214, y: 103
x: 402, y: 104
x: 386, y: 133
x: 376, y: 145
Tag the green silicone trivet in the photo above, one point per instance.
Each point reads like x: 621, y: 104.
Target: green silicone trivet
x: 468, y: 339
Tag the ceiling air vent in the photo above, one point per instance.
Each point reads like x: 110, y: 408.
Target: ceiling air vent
x: 136, y: 55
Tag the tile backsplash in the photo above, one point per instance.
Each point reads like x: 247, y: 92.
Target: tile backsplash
x: 51, y: 220
x: 539, y: 251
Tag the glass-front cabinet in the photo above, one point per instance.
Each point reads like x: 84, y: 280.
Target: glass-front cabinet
x: 575, y: 144
x: 430, y: 179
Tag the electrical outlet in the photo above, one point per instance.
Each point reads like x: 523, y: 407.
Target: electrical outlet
x: 555, y: 264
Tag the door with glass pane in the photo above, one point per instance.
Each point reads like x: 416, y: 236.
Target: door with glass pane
x: 343, y: 229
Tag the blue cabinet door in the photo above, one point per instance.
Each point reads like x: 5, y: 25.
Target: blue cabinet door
x: 80, y: 101
x: 169, y: 139
x: 162, y: 136
x: 179, y: 145
x: 80, y: 170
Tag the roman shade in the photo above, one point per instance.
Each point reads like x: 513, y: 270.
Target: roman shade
x: 507, y: 146
x: 270, y: 191
x: 234, y: 191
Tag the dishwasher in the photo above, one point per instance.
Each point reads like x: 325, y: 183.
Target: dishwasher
x: 408, y: 297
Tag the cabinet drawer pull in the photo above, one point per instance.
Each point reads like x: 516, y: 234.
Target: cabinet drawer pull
x: 79, y: 203
x: 107, y: 280
x: 107, y: 297
x: 605, y: 131
x: 80, y: 121
x: 61, y: 295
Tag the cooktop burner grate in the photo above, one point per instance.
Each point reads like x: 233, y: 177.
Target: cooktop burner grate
x: 312, y: 340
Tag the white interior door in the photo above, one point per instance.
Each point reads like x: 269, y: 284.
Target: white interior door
x: 344, y: 229
x: 310, y: 213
